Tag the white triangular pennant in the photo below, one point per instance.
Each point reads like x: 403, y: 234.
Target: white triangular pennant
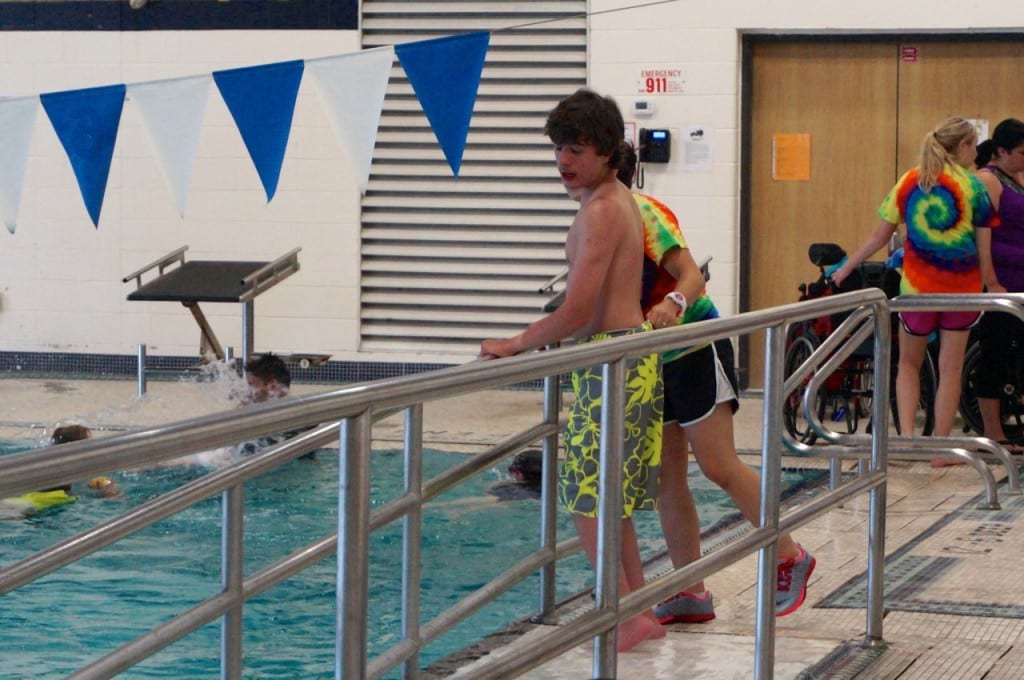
x: 352, y: 87
x: 17, y: 119
x: 172, y: 112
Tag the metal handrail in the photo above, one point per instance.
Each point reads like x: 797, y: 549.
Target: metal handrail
x: 161, y: 263
x: 840, y: 344
x: 22, y: 472
x: 270, y: 275
x: 357, y: 407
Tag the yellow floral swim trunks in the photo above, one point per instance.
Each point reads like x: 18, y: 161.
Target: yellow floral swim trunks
x: 578, y: 481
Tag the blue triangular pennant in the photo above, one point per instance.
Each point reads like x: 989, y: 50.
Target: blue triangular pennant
x: 262, y: 101
x: 86, y: 122
x: 445, y: 74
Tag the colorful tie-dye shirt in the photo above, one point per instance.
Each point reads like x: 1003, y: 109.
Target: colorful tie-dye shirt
x: 662, y: 234
x: 940, y: 254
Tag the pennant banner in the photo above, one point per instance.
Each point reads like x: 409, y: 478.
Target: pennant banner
x: 262, y: 102
x: 352, y: 88
x: 172, y: 112
x: 17, y: 119
x: 445, y: 74
x: 86, y: 122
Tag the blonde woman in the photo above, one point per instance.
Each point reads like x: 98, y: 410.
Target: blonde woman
x: 942, y: 204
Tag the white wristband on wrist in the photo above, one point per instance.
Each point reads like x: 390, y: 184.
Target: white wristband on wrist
x: 679, y: 299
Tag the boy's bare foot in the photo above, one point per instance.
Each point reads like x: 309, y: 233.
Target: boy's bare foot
x: 947, y: 462
x: 659, y: 630
x: 636, y: 630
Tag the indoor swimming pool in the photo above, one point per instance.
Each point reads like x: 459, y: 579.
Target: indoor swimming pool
x: 88, y: 609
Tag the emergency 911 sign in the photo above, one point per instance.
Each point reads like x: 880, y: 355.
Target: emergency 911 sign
x: 660, y: 80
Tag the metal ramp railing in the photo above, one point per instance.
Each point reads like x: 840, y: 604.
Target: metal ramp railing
x: 350, y: 413
x: 975, y: 451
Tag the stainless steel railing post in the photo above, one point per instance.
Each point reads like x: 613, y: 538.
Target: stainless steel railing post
x: 609, y: 512
x: 412, y: 531
x: 232, y: 534
x: 353, y: 547
x: 767, y: 557
x: 140, y: 362
x: 549, y: 509
x: 879, y: 463
x: 248, y: 329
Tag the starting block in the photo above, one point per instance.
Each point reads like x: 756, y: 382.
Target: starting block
x: 212, y: 281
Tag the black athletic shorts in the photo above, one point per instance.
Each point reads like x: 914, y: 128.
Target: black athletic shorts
x: 698, y: 381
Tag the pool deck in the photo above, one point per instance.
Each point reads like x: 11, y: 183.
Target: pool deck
x: 954, y: 601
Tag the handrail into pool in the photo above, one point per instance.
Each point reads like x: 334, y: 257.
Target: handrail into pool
x: 825, y: 360
x: 357, y: 407
x: 840, y: 344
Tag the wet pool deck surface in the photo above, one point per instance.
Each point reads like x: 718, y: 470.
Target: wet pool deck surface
x: 954, y: 595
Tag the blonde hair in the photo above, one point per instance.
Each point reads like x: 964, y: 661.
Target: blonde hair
x: 937, y: 149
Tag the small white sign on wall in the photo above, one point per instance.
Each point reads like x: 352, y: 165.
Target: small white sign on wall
x: 981, y: 125
x: 660, y: 80
x: 629, y: 132
x: 698, y: 148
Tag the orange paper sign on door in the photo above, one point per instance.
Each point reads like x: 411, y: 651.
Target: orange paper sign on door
x: 791, y: 157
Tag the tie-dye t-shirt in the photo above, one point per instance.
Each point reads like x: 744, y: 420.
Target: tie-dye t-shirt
x: 662, y: 234
x: 940, y: 254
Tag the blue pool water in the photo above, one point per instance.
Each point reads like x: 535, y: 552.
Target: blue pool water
x: 74, y: 616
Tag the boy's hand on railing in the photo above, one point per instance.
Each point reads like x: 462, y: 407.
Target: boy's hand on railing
x: 496, y: 348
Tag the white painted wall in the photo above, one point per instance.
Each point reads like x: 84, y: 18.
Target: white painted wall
x: 60, y: 278
x: 60, y: 287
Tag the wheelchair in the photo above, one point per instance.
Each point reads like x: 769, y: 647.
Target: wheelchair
x: 845, y: 395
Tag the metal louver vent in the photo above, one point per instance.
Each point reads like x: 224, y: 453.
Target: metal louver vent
x: 447, y: 261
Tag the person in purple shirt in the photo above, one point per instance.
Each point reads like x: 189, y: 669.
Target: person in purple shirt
x: 1000, y: 163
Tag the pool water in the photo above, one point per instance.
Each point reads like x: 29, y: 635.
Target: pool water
x: 86, y: 610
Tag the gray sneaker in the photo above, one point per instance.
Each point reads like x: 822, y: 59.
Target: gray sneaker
x: 791, y: 584
x: 686, y: 607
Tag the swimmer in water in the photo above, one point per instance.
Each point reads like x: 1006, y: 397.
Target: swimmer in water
x: 268, y: 378
x: 38, y: 501
x: 526, y: 471
x: 66, y: 434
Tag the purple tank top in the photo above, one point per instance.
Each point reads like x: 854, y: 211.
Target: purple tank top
x: 1008, y: 239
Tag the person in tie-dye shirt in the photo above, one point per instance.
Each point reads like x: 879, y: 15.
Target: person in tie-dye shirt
x: 700, y: 400
x: 942, y: 204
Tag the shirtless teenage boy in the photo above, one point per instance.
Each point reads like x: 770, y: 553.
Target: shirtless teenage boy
x: 604, y: 250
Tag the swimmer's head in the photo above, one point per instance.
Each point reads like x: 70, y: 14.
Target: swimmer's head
x: 106, y: 486
x: 268, y: 377
x: 526, y: 467
x: 65, y: 435
x: 70, y: 433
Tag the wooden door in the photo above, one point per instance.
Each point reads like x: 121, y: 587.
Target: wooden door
x: 844, y: 97
x: 980, y: 80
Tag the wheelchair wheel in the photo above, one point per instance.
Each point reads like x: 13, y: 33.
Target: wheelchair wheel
x: 929, y: 385
x: 1011, y: 409
x: 799, y: 351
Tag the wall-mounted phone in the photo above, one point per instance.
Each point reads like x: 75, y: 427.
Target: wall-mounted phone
x: 655, y: 145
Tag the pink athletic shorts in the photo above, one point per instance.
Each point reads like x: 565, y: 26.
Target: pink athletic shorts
x: 924, y: 323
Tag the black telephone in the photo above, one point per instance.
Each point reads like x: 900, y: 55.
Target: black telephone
x: 655, y: 145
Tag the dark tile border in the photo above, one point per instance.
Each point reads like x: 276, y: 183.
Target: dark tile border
x: 170, y: 15
x: 125, y: 367
x: 122, y: 366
